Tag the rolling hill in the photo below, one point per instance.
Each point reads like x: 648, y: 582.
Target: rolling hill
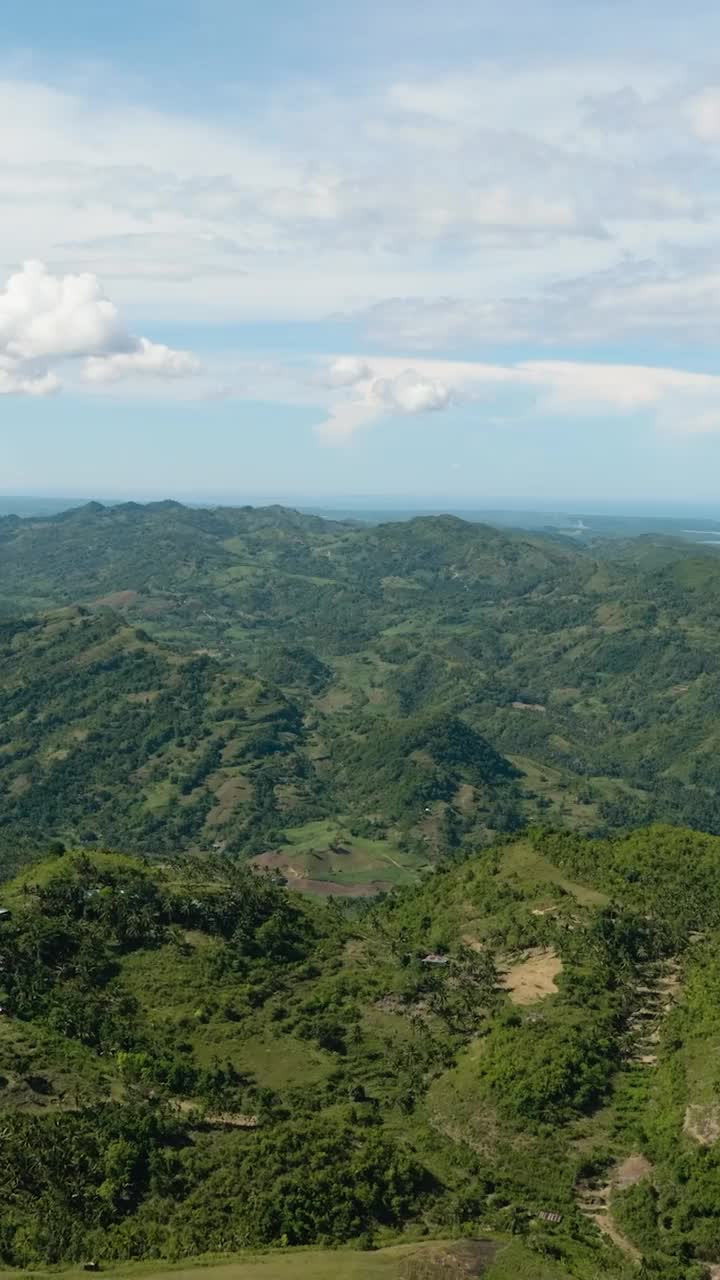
x: 109, y: 738
x: 505, y: 1031
x: 594, y: 671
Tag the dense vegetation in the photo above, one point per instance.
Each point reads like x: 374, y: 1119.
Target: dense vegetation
x: 192, y: 1058
x: 593, y: 668
x: 495, y: 1000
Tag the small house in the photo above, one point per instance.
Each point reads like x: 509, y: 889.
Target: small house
x: 550, y: 1216
x: 5, y: 913
x: 434, y: 958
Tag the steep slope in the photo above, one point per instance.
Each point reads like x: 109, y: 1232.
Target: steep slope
x: 596, y: 671
x: 191, y: 1058
x: 108, y: 737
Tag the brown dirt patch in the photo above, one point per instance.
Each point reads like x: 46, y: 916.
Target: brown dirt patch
x: 231, y: 792
x: 595, y: 1201
x: 472, y: 942
x: 334, y: 700
x: 118, y: 599
x: 465, y: 797
x: 702, y: 1122
x: 274, y: 861
x: 297, y: 879
x: 533, y: 977
x: 632, y: 1170
x: 608, y: 1228
x: 330, y: 889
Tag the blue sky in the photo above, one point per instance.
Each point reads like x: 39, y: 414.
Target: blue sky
x: 453, y: 249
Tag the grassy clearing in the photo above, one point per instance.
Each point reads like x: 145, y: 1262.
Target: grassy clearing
x: 173, y: 987
x: 439, y: 1260
x: 551, y: 785
x: 281, y: 1062
x: 327, y: 851
x: 45, y: 870
x: 529, y: 868
x: 42, y: 1072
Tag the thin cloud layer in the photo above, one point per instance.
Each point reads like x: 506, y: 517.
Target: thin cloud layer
x: 676, y: 400
x: 496, y: 181
x: 47, y: 320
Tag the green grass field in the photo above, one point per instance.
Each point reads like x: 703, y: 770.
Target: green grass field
x: 523, y: 863
x: 440, y: 1260
x: 326, y: 851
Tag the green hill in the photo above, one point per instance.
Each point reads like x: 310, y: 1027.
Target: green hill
x: 491, y: 1003
x: 598, y: 665
x: 108, y: 737
x: 194, y: 1060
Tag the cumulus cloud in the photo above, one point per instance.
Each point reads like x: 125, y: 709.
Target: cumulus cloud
x: 45, y: 384
x: 412, y: 392
x: 148, y: 359
x: 46, y: 320
x: 370, y: 390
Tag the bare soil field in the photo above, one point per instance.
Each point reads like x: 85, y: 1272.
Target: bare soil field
x: 533, y: 977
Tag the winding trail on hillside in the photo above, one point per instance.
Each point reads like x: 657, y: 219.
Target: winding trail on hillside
x: 595, y: 1201
x: 657, y: 989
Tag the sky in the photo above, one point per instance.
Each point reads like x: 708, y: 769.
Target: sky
x: 453, y: 249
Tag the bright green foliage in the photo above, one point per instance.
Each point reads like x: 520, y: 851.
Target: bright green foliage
x: 194, y: 1058
x: 402, y: 1092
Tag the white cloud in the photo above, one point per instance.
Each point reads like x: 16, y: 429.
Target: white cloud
x: 44, y: 316
x: 411, y: 392
x: 346, y: 371
x: 703, y: 113
x: 41, y: 384
x: 149, y: 358
x: 344, y: 419
x: 489, y: 193
x: 676, y: 400
x: 677, y: 297
x: 173, y: 210
x: 47, y: 319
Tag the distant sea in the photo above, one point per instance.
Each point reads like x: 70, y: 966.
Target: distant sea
x: 18, y: 505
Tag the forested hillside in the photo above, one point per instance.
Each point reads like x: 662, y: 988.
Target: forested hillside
x: 109, y: 738
x: 323, y: 921
x: 257, y: 663
x: 194, y: 1059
